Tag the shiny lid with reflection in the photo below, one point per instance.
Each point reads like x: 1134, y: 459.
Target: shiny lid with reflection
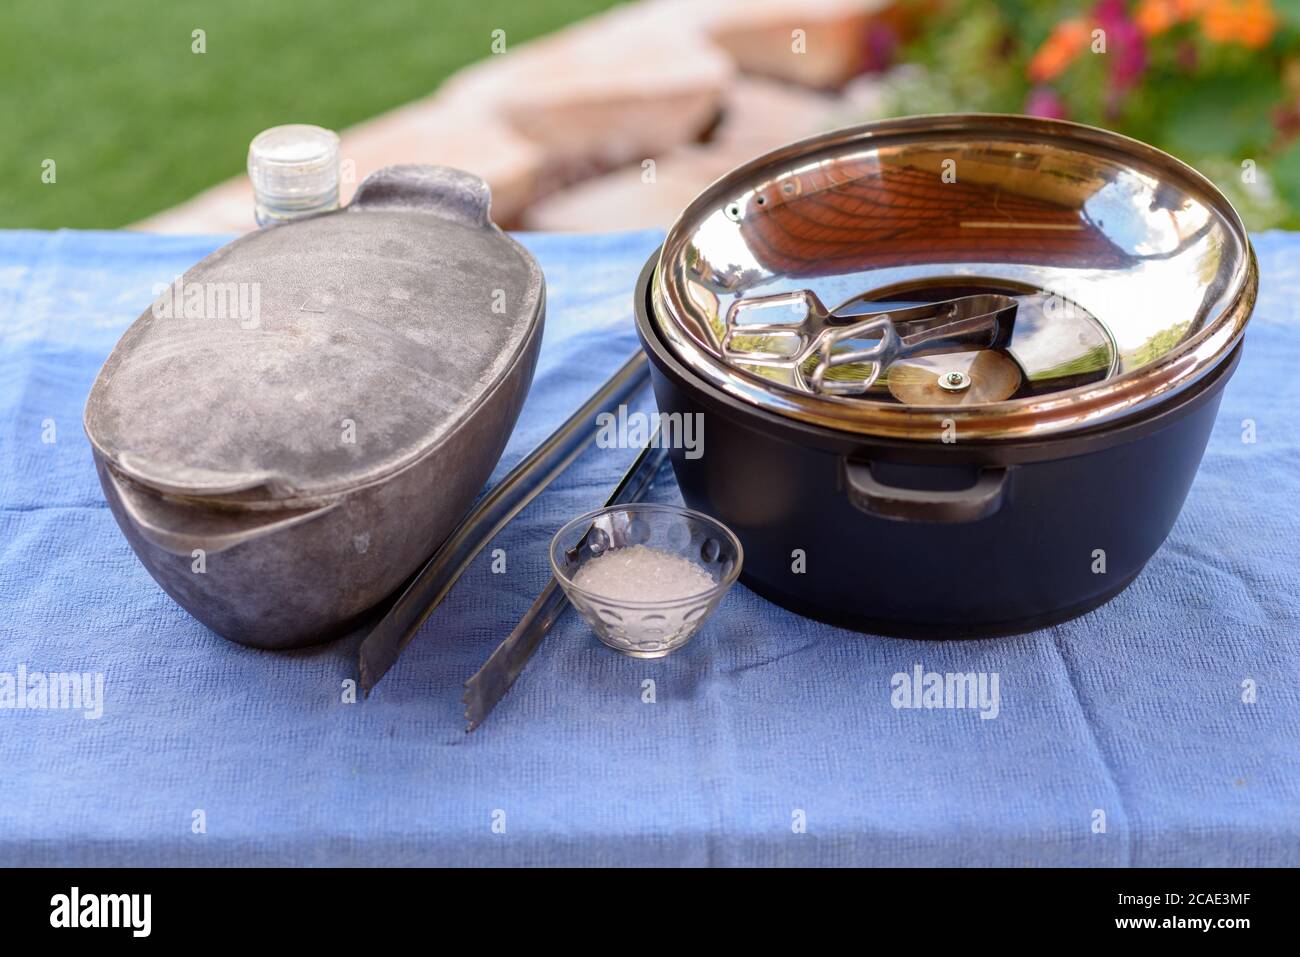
x: 1006, y: 277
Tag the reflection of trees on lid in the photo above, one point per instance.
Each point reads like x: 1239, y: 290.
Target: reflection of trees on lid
x: 1162, y: 342
x: 1086, y: 366
x: 861, y: 215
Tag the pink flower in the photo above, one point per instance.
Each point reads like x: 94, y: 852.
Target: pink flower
x: 879, y: 47
x: 1045, y: 102
x: 1125, y: 45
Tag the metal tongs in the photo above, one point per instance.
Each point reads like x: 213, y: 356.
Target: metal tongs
x: 423, y: 592
x: 490, y: 683
x: 811, y: 330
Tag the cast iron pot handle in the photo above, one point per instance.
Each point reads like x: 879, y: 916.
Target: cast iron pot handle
x: 450, y: 193
x: 172, y: 527
x: 872, y: 496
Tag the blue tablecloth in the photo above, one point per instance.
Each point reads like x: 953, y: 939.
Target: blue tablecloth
x: 1171, y: 714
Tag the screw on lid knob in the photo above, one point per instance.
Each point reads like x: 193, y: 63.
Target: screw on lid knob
x: 294, y: 171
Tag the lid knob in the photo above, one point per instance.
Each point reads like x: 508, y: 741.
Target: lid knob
x: 954, y: 381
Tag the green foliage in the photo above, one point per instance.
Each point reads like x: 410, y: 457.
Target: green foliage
x: 968, y: 68
x: 1286, y: 171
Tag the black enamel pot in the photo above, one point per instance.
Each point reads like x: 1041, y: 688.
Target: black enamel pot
x: 998, y: 426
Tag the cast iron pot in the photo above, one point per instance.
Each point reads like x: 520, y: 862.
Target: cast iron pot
x: 1015, y: 505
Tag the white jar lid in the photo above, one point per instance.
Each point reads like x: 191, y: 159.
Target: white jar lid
x: 294, y: 170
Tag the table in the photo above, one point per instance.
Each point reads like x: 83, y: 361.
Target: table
x: 770, y: 739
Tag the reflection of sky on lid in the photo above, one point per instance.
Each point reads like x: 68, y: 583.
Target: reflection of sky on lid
x: 1129, y: 210
x: 1135, y: 306
x: 719, y: 238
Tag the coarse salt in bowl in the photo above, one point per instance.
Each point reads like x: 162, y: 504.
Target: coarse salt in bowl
x: 645, y: 577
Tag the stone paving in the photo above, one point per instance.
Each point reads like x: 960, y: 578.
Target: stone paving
x: 619, y: 120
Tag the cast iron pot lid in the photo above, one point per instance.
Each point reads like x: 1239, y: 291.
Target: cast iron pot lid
x: 989, y: 277
x: 312, y: 358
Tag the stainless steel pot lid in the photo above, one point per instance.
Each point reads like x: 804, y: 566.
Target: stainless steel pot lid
x: 992, y: 277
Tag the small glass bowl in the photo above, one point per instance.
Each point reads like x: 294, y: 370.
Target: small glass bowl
x: 649, y: 629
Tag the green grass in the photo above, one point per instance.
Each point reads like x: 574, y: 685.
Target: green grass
x: 136, y: 122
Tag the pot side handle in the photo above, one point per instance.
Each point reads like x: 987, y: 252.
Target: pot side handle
x: 874, y: 497
x: 179, y: 529
x: 449, y: 193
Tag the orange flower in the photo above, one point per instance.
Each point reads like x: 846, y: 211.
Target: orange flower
x: 1259, y: 24
x: 1154, y: 17
x: 1250, y: 23
x: 1059, y: 50
x: 1219, y: 22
